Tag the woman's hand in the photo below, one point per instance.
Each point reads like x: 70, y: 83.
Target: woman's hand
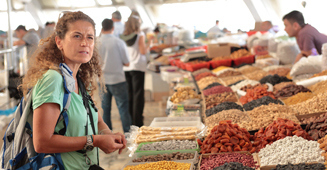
x: 123, y: 141
x: 109, y: 143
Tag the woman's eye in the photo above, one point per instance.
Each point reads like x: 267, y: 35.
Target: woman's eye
x: 77, y: 36
x: 91, y: 38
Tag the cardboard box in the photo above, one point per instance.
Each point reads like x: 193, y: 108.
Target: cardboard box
x: 220, y: 49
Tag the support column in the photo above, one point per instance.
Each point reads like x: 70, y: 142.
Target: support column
x: 35, y: 9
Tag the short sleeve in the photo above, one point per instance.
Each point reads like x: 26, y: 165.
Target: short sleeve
x: 49, y: 89
x: 307, y: 42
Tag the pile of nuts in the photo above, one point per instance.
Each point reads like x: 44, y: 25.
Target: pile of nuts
x: 217, y: 160
x: 318, y: 128
x: 223, y: 106
x: 216, y: 90
x: 256, y: 93
x: 236, y: 116
x: 274, y: 79
x: 184, y: 93
x: 160, y: 165
x: 212, y: 85
x: 232, y: 79
x: 169, y: 145
x: 203, y: 83
x: 240, y: 53
x: 259, y: 57
x: 264, y: 115
x: 249, y: 86
x: 313, y: 118
x: 323, y: 146
x: 320, y: 87
x: 277, y: 130
x: 215, y: 99
x: 227, y: 137
x: 257, y: 75
x: 165, y: 157
x: 314, y: 105
x: 233, y: 166
x: 291, y: 90
x: 203, y: 75
x: 298, y: 98
x: 304, y: 166
x: 248, y: 69
x: 283, y: 71
x: 291, y: 149
x: 229, y: 73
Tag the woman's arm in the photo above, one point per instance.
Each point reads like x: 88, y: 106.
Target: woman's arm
x: 44, y: 121
x: 144, y: 48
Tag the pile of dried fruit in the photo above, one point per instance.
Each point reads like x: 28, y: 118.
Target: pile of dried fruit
x: 323, y: 73
x: 223, y: 106
x: 302, y: 166
x: 217, y: 90
x: 313, y: 118
x: 314, y: 105
x: 323, y: 146
x: 228, y: 159
x: 281, y: 85
x: 300, y: 97
x: 264, y: 115
x: 203, y: 75
x: 254, y: 94
x: 207, y: 81
x: 290, y: 90
x: 227, y: 137
x: 279, y: 129
x: 266, y: 100
x: 249, y: 86
x: 202, y: 70
x: 215, y: 99
x: 212, y: 85
x: 165, y: 157
x: 233, y: 166
x: 317, y: 129
x: 248, y: 69
x: 274, y: 79
x: 240, y: 53
x: 283, y: 71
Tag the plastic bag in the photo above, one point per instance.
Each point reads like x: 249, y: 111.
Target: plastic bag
x: 324, y: 56
x: 272, y: 45
x: 251, y: 39
x: 287, y: 52
x: 310, y: 65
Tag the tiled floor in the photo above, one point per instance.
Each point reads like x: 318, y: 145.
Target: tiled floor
x: 114, y: 161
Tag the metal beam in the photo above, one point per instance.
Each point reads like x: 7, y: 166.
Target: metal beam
x: 253, y: 10
x: 145, y: 13
x: 35, y: 9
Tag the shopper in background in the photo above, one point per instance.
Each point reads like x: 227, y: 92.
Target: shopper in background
x: 47, y: 30
x: 307, y: 37
x: 28, y: 38
x: 118, y: 25
x: 135, y: 72
x: 215, y: 31
x: 73, y: 44
x: 267, y: 26
x: 114, y: 54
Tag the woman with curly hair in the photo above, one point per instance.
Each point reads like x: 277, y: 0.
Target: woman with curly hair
x: 73, y: 44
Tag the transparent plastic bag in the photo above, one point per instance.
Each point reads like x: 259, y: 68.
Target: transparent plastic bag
x: 309, y: 65
x: 287, y: 52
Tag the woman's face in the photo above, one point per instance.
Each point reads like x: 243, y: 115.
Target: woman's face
x: 78, y: 44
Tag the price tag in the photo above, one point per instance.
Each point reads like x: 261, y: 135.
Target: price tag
x: 180, y: 108
x: 186, y: 80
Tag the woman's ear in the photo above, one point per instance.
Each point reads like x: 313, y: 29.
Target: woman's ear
x: 59, y: 43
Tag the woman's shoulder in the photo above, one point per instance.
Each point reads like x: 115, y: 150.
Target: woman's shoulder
x: 51, y: 76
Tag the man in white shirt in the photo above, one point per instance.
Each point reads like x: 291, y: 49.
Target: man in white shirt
x: 115, y: 56
x: 215, y: 32
x: 118, y: 25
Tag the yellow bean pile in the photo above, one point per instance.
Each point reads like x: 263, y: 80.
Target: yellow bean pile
x: 162, y: 165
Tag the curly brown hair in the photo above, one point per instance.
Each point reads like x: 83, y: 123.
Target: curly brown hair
x: 48, y: 56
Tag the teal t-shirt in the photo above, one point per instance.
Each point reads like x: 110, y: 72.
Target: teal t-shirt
x: 50, y: 89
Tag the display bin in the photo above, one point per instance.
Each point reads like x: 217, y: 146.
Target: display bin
x: 216, y: 63
x: 255, y: 157
x: 134, y: 164
x: 162, y: 152
x: 193, y: 67
x: 177, y: 122
x: 140, y: 154
x: 187, y: 107
x: 167, y: 74
x: 247, y: 59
